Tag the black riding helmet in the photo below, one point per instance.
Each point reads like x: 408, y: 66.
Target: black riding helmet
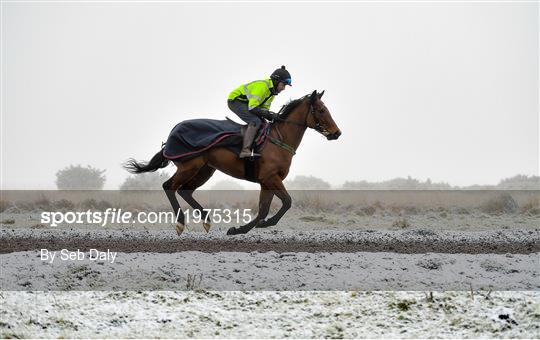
x: 281, y: 74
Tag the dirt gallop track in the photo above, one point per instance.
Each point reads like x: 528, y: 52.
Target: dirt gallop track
x: 166, y: 241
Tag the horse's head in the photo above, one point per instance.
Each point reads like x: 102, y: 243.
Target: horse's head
x: 320, y: 119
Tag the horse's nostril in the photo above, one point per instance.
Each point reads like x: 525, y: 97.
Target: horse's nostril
x: 336, y: 134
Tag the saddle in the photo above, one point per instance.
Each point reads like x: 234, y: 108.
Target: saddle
x: 260, y: 138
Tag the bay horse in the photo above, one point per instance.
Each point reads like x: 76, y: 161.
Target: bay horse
x: 276, y: 157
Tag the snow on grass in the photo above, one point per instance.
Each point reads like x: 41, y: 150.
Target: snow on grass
x: 236, y: 271
x: 201, y: 314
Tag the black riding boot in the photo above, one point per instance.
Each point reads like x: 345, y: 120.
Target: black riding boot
x: 249, y: 135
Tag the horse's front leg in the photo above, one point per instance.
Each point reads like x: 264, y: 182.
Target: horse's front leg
x: 286, y: 203
x: 265, y: 198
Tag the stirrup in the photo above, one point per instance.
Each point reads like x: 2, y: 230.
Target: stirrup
x: 252, y: 154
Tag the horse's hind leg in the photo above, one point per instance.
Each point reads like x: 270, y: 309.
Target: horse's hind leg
x: 184, y: 173
x: 186, y: 192
x: 265, y: 199
x: 167, y: 185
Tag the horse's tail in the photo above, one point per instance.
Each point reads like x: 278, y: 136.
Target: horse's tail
x: 157, y: 162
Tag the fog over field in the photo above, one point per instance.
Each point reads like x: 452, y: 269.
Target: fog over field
x: 440, y: 90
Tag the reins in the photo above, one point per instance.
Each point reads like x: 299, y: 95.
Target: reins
x: 279, y: 141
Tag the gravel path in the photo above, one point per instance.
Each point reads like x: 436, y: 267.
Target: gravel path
x: 166, y: 241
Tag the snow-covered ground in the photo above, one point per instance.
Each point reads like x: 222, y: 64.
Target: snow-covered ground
x: 297, y: 314
x: 354, y: 272
x: 272, y: 271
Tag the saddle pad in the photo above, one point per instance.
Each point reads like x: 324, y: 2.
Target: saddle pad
x: 191, y: 137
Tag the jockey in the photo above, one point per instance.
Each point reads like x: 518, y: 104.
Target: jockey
x: 251, y: 102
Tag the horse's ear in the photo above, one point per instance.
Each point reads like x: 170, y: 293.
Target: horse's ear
x: 313, y: 97
x: 320, y: 94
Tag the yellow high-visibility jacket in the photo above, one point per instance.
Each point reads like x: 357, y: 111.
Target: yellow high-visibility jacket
x: 257, y: 93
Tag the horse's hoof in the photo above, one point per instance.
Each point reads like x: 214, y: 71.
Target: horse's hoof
x: 207, y: 226
x: 180, y: 228
x: 232, y: 231
x: 262, y: 224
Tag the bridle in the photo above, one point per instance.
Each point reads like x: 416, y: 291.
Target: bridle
x: 311, y: 111
x: 318, y: 127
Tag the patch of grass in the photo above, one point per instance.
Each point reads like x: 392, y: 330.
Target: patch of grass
x: 23, y: 206
x: 429, y: 297
x: 491, y: 266
x: 87, y: 204
x: 378, y: 205
x: 456, y: 321
x: 38, y: 226
x: 118, y: 321
x: 367, y: 211
x: 403, y: 305
x: 64, y: 204
x: 8, y: 221
x: 531, y: 207
x: 401, y: 223
x: 33, y: 322
x: 405, y: 210
x: 425, y: 232
x: 312, y: 202
x: 462, y: 211
x: 193, y: 282
x: 66, y: 323
x: 335, y: 331
x: 313, y: 219
x: 448, y: 308
x: 4, y: 205
x: 502, y: 204
x: 42, y: 204
x: 92, y: 204
x: 429, y: 264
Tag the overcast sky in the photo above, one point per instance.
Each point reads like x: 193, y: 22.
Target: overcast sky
x: 447, y: 91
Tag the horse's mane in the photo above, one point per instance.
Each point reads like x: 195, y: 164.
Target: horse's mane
x: 290, y: 106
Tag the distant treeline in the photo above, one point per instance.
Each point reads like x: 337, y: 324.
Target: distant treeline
x: 518, y: 182
x: 89, y: 178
